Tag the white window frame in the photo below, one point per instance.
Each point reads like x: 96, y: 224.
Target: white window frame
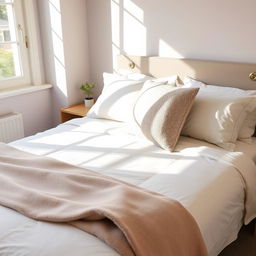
x: 30, y: 58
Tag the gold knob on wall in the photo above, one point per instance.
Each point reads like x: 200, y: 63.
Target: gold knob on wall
x: 131, y: 65
x: 252, y: 76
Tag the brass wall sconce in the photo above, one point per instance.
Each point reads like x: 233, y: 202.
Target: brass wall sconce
x: 131, y: 65
x: 252, y: 76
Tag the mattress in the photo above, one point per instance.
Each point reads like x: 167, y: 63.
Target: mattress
x: 199, y: 181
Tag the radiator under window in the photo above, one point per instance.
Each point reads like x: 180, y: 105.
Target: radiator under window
x: 11, y: 127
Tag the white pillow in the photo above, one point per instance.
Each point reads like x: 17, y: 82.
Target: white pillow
x: 170, y: 80
x: 118, y: 97
x: 131, y: 75
x: 217, y: 118
x: 248, y: 127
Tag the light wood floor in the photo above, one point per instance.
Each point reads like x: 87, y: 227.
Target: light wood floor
x: 245, y: 245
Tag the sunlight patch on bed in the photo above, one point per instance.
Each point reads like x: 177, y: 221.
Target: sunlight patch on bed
x: 70, y: 138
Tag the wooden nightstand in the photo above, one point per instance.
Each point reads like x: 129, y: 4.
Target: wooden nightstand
x: 74, y: 111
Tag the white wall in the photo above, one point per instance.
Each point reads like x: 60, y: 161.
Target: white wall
x: 214, y: 30
x: 65, y: 49
x: 35, y: 108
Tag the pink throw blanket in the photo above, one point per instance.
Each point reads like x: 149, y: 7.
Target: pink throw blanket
x: 130, y: 219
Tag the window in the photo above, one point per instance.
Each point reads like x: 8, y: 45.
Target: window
x: 14, y: 57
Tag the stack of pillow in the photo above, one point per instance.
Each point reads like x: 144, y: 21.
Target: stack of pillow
x: 221, y: 115
x: 164, y: 109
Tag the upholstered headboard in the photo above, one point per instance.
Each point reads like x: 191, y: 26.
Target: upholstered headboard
x: 240, y: 75
x: 233, y: 74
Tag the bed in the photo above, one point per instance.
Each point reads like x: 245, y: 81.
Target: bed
x: 203, y: 177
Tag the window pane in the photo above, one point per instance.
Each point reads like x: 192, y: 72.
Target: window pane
x: 9, y: 52
x: 9, y: 61
x: 7, y: 24
x: 3, y: 21
x: 7, y: 35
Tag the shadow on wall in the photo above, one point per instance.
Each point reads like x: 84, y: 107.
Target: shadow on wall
x: 100, y: 40
x: 180, y: 29
x: 54, y: 54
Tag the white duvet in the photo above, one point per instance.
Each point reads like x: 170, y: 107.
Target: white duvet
x: 210, y: 182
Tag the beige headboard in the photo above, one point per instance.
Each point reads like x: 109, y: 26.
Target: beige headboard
x: 211, y: 72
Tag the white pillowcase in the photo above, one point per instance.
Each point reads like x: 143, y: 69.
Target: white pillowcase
x: 217, y: 117
x: 248, y: 127
x: 118, y: 97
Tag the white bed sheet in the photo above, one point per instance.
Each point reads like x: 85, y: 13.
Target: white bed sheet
x: 212, y: 191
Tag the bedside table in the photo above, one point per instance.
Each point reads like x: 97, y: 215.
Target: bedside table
x: 74, y: 111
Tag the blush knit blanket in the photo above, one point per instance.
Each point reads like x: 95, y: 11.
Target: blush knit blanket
x: 128, y: 218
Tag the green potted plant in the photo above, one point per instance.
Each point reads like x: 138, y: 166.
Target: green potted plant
x: 87, y: 90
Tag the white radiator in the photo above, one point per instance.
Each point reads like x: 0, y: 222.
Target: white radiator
x: 11, y: 127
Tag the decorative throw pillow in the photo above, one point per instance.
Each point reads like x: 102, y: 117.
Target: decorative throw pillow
x: 161, y: 111
x: 118, y: 97
x: 248, y: 127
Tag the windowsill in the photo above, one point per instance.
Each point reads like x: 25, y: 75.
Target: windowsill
x: 15, y: 91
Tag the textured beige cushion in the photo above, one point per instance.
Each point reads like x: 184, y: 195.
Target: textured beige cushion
x: 161, y: 111
x: 118, y: 97
x: 248, y: 127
